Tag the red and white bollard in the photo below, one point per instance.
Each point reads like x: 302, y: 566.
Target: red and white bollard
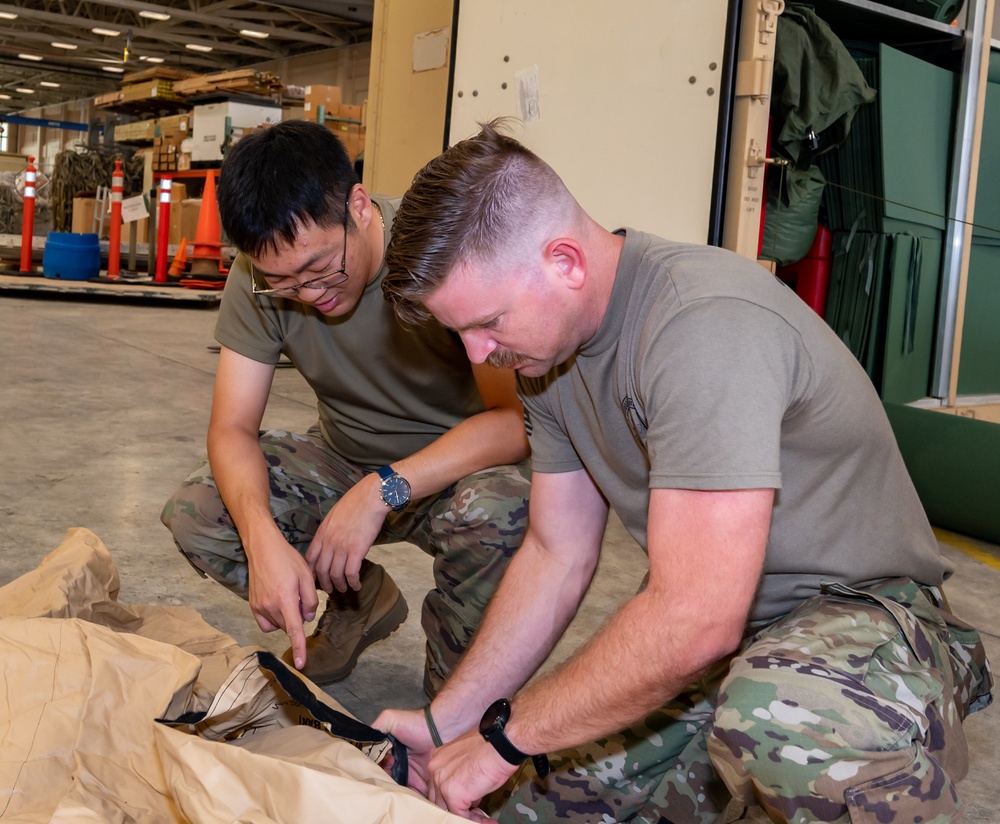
x: 163, y: 231
x: 115, y: 230
x: 28, y: 215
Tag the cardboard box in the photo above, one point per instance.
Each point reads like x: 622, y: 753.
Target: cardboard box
x: 83, y: 215
x: 316, y: 96
x: 350, y: 134
x: 174, y: 124
x: 190, y: 209
x: 178, y: 194
x: 347, y: 111
x: 210, y: 121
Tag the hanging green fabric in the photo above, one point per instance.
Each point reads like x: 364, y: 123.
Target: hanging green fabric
x: 817, y: 88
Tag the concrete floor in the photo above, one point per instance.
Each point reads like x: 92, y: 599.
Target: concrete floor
x: 104, y: 409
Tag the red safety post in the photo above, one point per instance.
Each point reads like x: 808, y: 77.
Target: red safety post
x: 115, y: 230
x: 28, y: 215
x: 163, y: 231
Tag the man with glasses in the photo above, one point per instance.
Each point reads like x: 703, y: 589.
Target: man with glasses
x: 413, y: 442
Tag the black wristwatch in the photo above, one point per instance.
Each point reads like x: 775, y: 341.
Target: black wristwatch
x: 394, y: 489
x: 491, y: 727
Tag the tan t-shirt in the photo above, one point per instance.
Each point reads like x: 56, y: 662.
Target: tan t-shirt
x: 709, y: 373
x: 384, y: 390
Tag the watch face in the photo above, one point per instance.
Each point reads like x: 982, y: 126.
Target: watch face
x: 396, y: 491
x: 495, y: 718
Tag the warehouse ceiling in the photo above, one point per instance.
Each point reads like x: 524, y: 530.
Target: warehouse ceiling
x: 200, y: 36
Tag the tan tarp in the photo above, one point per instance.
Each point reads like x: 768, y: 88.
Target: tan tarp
x: 82, y: 680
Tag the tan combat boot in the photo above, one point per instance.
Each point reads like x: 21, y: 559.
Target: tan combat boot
x: 351, y: 622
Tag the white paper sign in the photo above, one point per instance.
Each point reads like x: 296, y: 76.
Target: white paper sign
x: 134, y: 208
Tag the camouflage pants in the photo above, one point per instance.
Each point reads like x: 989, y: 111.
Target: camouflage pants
x: 848, y: 709
x: 472, y: 529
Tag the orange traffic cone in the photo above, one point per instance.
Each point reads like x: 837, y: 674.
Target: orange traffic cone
x: 206, y: 257
x: 179, y: 263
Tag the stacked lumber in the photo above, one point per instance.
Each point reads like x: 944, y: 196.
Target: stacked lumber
x: 239, y: 81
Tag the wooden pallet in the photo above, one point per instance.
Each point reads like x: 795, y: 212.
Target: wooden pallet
x: 101, y: 287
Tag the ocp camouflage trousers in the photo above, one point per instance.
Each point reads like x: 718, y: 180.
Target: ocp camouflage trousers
x: 472, y: 529
x: 848, y: 709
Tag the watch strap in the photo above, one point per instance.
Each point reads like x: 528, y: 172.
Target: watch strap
x: 495, y: 734
x: 386, y: 472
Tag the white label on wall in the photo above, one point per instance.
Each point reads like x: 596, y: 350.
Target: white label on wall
x: 527, y: 94
x: 430, y: 50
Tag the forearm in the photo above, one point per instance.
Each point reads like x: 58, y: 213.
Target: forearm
x: 241, y: 475
x: 536, y: 600
x: 628, y: 669
x: 491, y: 438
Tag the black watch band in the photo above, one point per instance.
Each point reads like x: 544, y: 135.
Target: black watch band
x: 491, y: 727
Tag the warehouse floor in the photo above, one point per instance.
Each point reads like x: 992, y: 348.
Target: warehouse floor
x: 103, y: 411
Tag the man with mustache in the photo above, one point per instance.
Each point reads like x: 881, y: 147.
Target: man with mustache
x: 791, y: 645
x: 413, y: 442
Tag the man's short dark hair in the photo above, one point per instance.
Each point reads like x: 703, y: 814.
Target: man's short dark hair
x: 276, y: 180
x: 466, y: 204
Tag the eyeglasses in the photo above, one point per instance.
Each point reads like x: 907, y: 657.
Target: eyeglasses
x: 327, y: 281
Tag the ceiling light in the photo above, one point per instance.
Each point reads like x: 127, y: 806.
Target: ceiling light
x: 67, y: 46
x: 151, y: 59
x: 195, y: 47
x: 106, y: 32
x: 4, y: 97
x: 29, y: 57
x: 49, y: 84
x: 251, y: 33
x: 115, y: 69
x: 8, y: 15
x: 24, y: 91
x: 154, y: 15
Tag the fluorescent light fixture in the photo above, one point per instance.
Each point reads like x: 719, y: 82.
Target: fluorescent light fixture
x: 261, y: 35
x: 105, y: 32
x: 197, y: 47
x: 49, y: 84
x: 30, y: 57
x: 8, y: 15
x: 67, y: 46
x: 115, y: 69
x: 154, y: 15
x: 24, y: 91
x: 4, y: 97
x: 151, y: 59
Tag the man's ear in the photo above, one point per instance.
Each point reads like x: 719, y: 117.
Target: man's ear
x: 361, y: 205
x: 568, y: 259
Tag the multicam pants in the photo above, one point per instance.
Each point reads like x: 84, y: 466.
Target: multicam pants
x: 848, y: 709
x: 472, y: 529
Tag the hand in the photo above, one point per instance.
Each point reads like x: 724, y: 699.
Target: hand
x: 282, y: 592
x: 463, y: 772
x: 345, y: 536
x: 410, y: 727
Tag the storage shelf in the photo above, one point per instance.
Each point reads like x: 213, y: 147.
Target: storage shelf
x: 883, y: 23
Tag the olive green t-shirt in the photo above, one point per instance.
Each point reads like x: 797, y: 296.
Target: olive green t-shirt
x: 384, y: 390
x: 709, y: 373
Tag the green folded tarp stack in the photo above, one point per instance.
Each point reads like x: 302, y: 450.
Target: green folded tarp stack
x: 886, y: 206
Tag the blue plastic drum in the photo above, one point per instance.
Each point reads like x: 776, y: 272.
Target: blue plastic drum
x: 71, y: 256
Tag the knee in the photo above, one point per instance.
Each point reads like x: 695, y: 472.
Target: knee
x: 193, y: 511
x: 494, y: 500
